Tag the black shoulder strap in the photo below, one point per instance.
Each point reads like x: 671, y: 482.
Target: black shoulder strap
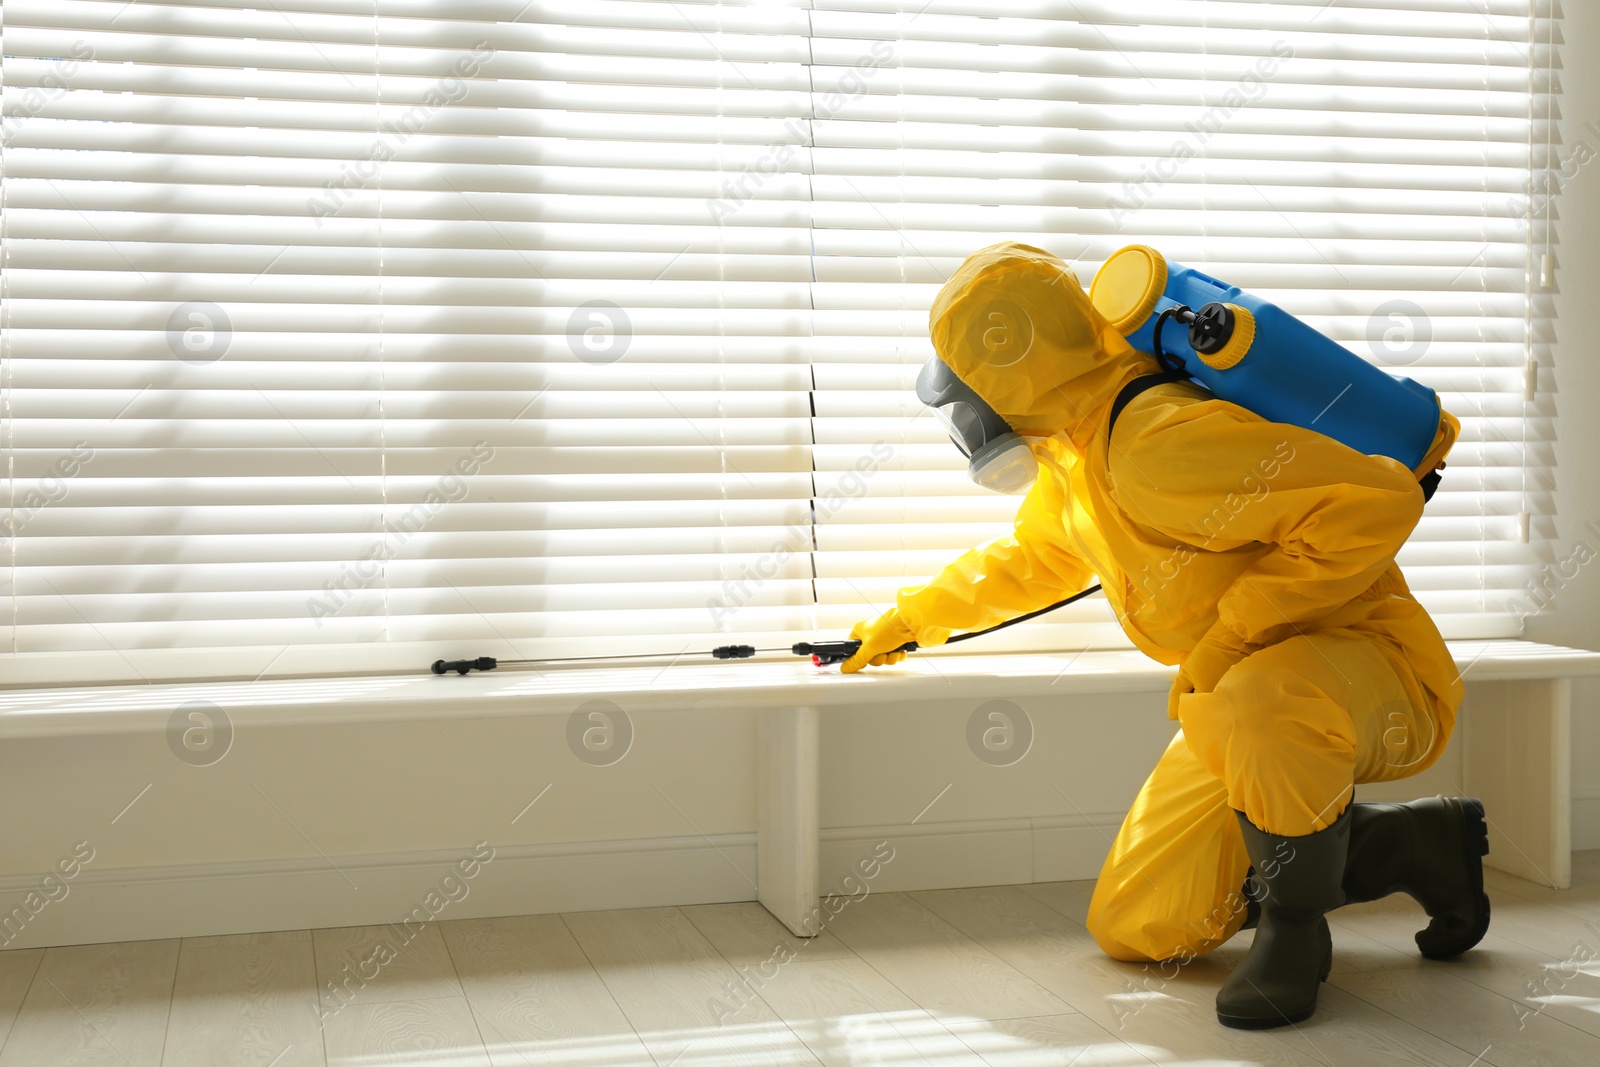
x: 1137, y: 386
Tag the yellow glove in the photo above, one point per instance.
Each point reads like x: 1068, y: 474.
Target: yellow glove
x: 1212, y: 656
x: 879, y: 638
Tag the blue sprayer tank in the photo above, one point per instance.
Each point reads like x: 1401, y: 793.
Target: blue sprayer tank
x: 1258, y: 356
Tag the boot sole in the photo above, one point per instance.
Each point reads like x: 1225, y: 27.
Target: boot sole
x: 1243, y: 1022
x: 1475, y: 846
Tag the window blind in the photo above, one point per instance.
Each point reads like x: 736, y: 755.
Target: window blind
x: 341, y: 335
x: 1363, y: 165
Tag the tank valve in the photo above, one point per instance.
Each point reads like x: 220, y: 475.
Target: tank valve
x: 1222, y: 334
x: 1211, y: 329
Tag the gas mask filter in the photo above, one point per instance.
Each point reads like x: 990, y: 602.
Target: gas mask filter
x: 997, y: 456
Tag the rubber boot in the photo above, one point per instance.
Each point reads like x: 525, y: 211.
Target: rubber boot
x: 1293, y: 952
x: 1432, y: 850
x: 1252, y: 893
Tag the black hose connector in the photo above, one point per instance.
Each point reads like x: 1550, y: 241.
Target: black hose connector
x: 823, y: 653
x: 462, y: 666
x: 734, y: 651
x: 827, y: 653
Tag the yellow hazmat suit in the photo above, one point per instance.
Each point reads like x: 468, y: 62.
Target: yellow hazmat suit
x: 1257, y: 556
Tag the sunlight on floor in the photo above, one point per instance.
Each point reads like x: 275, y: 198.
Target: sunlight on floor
x: 1564, y: 984
x: 886, y: 1039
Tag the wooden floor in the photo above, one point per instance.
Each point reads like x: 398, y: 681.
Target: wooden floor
x: 1004, y: 976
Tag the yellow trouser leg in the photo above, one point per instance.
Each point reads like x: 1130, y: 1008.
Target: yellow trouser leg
x: 1291, y: 728
x: 1170, y: 886
x: 1284, y: 737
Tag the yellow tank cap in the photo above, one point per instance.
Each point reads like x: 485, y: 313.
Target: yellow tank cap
x: 1238, y: 346
x: 1126, y: 286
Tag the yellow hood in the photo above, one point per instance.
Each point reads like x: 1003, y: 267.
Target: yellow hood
x: 1015, y: 325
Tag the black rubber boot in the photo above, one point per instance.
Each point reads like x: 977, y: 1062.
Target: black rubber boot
x: 1431, y: 849
x: 1292, y: 953
x: 1252, y: 891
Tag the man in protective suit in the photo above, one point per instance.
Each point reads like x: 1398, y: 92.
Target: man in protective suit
x: 1259, y: 558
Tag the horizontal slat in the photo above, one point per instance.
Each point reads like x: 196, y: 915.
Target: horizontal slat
x: 1238, y: 208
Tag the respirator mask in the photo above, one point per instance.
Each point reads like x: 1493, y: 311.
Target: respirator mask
x: 997, y: 456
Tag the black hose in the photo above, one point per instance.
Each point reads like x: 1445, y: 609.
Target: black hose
x: 822, y: 653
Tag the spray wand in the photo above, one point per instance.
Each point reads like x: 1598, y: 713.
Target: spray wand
x: 822, y: 653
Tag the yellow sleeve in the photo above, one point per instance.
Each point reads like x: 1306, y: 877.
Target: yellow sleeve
x: 1320, y: 520
x: 1009, y: 576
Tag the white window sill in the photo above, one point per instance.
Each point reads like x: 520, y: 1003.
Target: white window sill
x: 784, y: 683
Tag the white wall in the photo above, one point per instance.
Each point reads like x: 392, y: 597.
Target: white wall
x: 353, y: 824
x: 1572, y: 388
x: 298, y: 803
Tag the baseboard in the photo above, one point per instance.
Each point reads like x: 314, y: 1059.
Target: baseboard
x: 958, y: 855
x: 197, y: 900
x: 135, y: 904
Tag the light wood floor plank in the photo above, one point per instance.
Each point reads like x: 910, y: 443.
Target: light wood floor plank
x: 1009, y: 922
x: 1565, y: 988
x: 747, y: 934
x: 95, y: 1004
x: 535, y: 996
x: 245, y: 1004
x: 1157, y: 1009
x: 269, y: 937
x: 439, y: 1032
x: 913, y: 1036
x: 1069, y: 898
x: 845, y: 1012
x: 1581, y: 901
x: 688, y: 1004
x: 17, y: 968
x: 1350, y: 1032
x: 848, y: 1013
x: 373, y: 964
x: 734, y: 1044
x: 1049, y: 1041
x: 1559, y: 978
x: 1166, y: 1012
x: 1474, y: 1019
x: 802, y: 991
x: 937, y: 965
